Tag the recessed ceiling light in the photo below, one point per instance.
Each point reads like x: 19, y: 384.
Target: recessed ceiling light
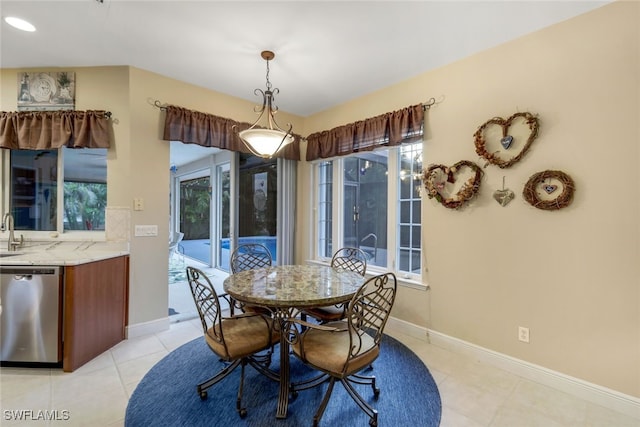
x: 20, y: 24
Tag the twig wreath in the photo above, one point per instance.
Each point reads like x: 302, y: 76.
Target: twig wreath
x: 506, y: 141
x: 436, y: 176
x: 530, y: 192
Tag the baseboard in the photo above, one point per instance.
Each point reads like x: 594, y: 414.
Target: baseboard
x: 594, y: 393
x: 146, y: 328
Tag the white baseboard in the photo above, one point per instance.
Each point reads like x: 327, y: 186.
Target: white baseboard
x: 146, y: 328
x: 594, y: 393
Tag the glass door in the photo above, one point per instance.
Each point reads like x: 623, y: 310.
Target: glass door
x: 195, y: 217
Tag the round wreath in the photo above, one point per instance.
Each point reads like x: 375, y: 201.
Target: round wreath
x: 564, y: 199
x: 493, y: 158
x: 434, y: 183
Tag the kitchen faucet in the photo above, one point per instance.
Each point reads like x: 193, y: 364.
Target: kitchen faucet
x: 12, y: 243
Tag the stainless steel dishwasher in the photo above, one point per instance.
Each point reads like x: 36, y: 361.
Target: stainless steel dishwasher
x: 30, y: 318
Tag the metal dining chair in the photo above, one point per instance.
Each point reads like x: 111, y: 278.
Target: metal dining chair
x: 343, y: 348
x: 245, y: 339
x: 347, y: 258
x: 249, y: 256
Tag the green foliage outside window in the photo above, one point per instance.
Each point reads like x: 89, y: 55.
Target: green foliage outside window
x: 84, y: 205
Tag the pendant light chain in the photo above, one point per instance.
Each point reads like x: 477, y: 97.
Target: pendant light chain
x: 268, y: 82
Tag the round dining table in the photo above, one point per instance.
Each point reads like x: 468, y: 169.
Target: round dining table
x: 285, y: 289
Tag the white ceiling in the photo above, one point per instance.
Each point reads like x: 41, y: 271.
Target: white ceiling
x: 327, y: 52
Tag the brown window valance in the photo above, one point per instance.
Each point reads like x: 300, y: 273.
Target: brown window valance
x: 45, y: 130
x: 389, y: 129
x: 193, y: 127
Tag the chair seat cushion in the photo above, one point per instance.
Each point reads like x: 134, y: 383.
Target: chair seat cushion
x: 243, y: 335
x: 329, y: 351
x: 326, y: 314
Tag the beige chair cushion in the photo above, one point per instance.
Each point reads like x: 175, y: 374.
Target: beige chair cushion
x: 327, y: 313
x: 243, y: 336
x: 329, y: 351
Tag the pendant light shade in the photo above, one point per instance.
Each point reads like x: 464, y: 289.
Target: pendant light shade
x: 266, y: 140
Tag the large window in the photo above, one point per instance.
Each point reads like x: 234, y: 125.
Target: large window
x: 37, y: 179
x: 371, y: 201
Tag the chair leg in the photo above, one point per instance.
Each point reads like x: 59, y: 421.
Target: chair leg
x: 202, y: 387
x: 372, y: 413
x: 241, y: 411
x: 323, y: 404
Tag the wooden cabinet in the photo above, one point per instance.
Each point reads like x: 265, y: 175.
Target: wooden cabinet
x: 95, y: 309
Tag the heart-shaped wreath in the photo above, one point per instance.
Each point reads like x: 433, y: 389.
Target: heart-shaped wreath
x: 436, y: 176
x: 507, y: 140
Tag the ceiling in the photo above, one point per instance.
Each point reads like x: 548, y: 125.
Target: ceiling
x: 327, y: 52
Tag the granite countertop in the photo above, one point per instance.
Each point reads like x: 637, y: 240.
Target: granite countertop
x: 293, y: 285
x: 62, y: 253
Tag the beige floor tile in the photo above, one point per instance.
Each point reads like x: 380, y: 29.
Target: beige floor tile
x: 96, y: 409
x: 470, y: 400
x: 67, y: 389
x: 597, y: 416
x: 556, y: 405
x: 451, y: 418
x: 132, y: 371
x: 137, y: 347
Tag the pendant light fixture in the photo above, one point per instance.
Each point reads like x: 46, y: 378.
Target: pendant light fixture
x: 265, y: 141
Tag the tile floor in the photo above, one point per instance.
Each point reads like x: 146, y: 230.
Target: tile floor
x: 473, y: 394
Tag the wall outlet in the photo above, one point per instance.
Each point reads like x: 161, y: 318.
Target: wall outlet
x: 146, y: 230
x: 138, y: 204
x: 523, y: 334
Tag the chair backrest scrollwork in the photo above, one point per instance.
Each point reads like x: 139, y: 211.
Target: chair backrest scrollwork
x: 352, y: 259
x: 207, y: 303
x: 250, y: 256
x: 369, y: 310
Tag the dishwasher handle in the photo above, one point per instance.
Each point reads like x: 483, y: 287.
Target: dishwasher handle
x: 29, y: 271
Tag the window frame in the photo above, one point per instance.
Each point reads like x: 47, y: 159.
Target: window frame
x: 59, y: 233
x: 393, y: 216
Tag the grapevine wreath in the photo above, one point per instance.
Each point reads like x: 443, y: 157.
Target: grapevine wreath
x: 435, y: 176
x: 530, y: 192
x: 493, y: 158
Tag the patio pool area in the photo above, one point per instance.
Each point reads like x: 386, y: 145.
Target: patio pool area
x: 201, y: 249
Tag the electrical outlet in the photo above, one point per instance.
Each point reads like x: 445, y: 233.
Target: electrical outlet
x: 523, y: 334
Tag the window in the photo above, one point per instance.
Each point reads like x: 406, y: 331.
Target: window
x: 371, y: 200
x: 36, y: 184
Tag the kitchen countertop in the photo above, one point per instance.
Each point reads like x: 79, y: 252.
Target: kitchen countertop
x: 62, y: 253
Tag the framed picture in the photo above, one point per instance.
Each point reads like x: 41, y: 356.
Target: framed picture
x: 39, y: 91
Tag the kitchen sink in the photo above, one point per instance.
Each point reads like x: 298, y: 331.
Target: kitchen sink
x: 8, y: 254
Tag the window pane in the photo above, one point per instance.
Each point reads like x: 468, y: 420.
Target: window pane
x: 258, y: 202
x: 34, y: 180
x: 365, y: 205
x: 410, y: 206
x: 85, y: 188
x: 325, y: 195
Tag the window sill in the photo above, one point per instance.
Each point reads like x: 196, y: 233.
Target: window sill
x: 403, y: 281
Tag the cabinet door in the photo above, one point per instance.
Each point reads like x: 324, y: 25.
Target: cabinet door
x: 95, y: 309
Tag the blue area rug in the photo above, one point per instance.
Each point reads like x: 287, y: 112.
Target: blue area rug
x: 167, y: 396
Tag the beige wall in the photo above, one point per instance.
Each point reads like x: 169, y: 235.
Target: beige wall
x: 571, y: 276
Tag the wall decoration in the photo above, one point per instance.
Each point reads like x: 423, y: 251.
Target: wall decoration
x: 38, y: 91
x: 436, y: 177
x: 511, y: 133
x: 503, y: 196
x: 547, y: 182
